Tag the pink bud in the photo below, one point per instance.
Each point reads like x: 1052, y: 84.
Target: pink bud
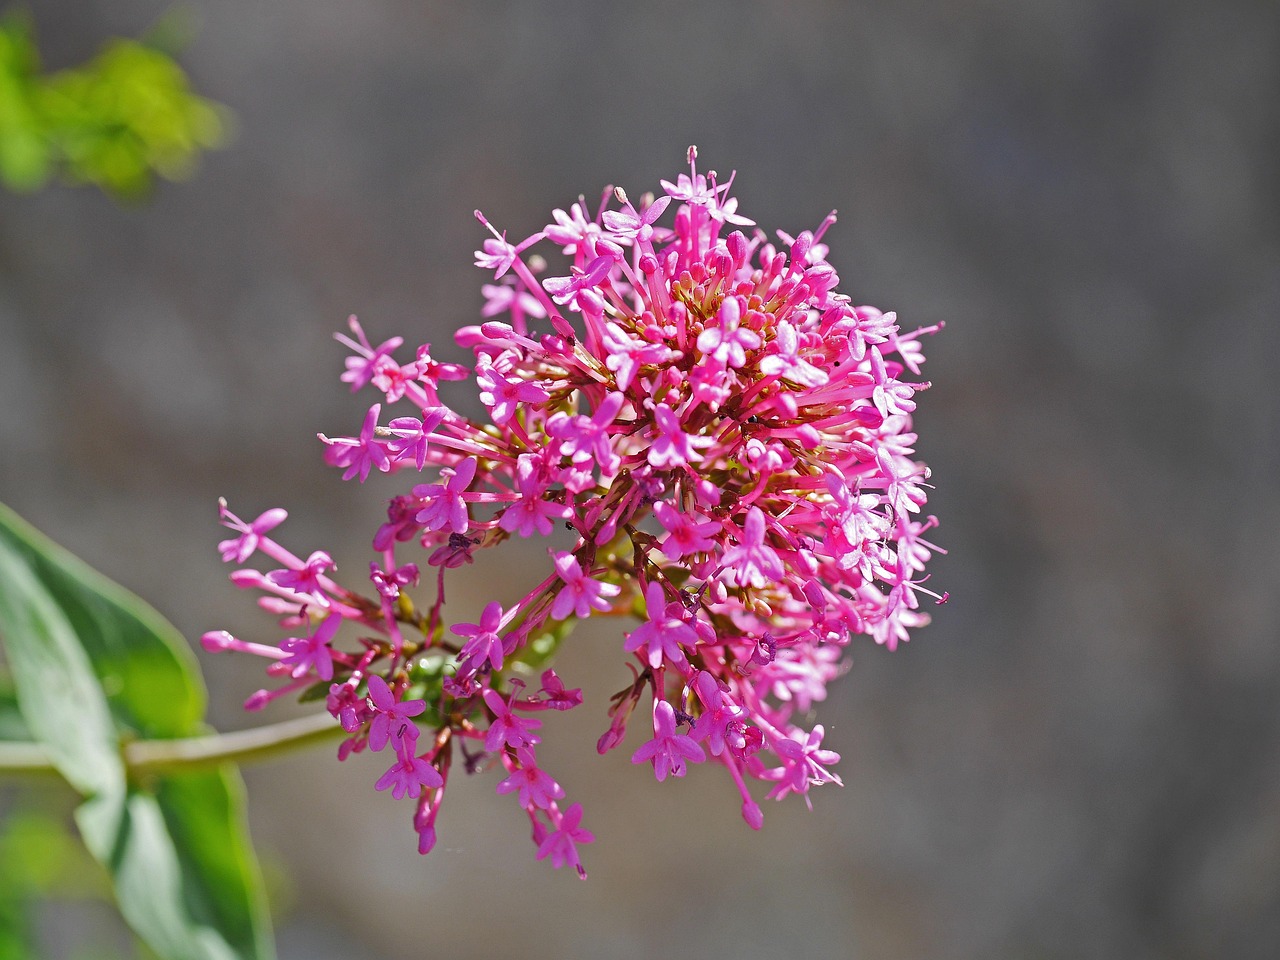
x: 258, y: 700
x: 610, y: 739
x: 737, y: 246
x: 809, y: 437
x: 216, y: 641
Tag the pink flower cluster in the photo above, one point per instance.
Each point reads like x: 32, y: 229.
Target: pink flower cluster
x: 727, y: 441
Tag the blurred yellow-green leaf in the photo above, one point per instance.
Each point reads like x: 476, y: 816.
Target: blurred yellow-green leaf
x: 116, y: 122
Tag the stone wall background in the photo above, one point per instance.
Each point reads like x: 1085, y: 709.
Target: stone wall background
x: 1078, y: 759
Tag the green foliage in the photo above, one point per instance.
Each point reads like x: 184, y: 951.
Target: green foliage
x: 115, y: 122
x: 94, y: 667
x: 43, y: 860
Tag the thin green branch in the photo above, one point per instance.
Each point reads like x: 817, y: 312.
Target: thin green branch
x: 157, y: 756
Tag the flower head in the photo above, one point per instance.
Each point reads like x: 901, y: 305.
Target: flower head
x: 722, y: 443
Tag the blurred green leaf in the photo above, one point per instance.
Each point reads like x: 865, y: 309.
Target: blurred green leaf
x: 118, y: 120
x: 24, y: 152
x: 133, y: 653
x: 57, y: 691
x: 93, y: 664
x: 204, y: 814
x: 36, y: 851
x: 541, y: 649
x: 12, y: 724
x: 187, y: 902
x: 43, y: 859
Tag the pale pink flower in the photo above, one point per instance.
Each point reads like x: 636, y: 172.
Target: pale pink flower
x: 724, y: 340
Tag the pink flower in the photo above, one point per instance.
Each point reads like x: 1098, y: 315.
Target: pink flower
x: 411, y: 436
x: 484, y: 643
x: 753, y: 563
x: 724, y: 340
x: 362, y: 367
x: 504, y: 395
x: 580, y: 594
x: 718, y: 711
x: 685, y: 535
x: 389, y: 582
x: 564, y: 289
x: 432, y: 371
x: 535, y: 511
x: 785, y: 360
x: 391, y: 721
x: 506, y: 729
x: 630, y: 224
x: 305, y: 579
x: 504, y: 297
x: 672, y: 447
x: 312, y: 654
x: 240, y: 549
x: 573, y: 231
x: 360, y: 454
x: 561, y: 844
x: 556, y: 696
x: 625, y: 355
x: 705, y: 424
x: 803, y: 765
x: 664, y: 632
x: 454, y: 553
x: 668, y: 750
x: 535, y: 786
x: 442, y: 504
x: 588, y: 438
x: 409, y: 774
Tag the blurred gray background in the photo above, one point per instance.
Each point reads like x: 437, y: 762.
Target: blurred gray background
x: 1079, y: 758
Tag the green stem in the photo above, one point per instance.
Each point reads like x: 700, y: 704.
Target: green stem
x: 159, y: 756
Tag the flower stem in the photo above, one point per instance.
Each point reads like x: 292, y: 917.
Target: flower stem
x: 173, y: 756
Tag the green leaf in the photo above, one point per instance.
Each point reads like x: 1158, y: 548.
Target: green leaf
x: 12, y: 726
x: 541, y: 649
x: 58, y: 693
x: 115, y: 121
x: 179, y: 862
x: 134, y: 653
x: 93, y: 666
x: 204, y: 813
